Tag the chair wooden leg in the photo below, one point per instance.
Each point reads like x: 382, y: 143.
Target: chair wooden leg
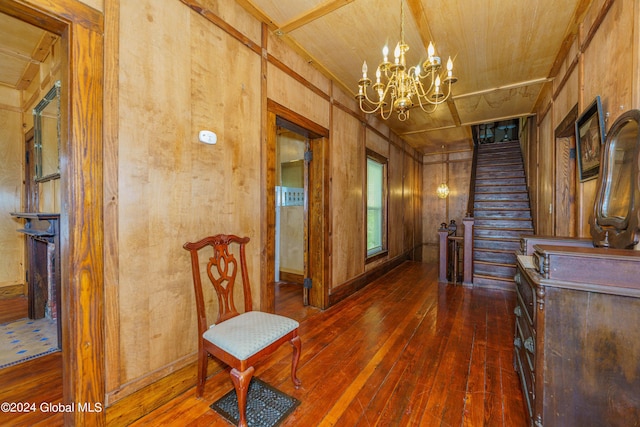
x: 241, y: 382
x: 297, y: 346
x: 203, y: 361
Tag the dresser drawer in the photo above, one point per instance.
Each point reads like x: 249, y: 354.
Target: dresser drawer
x: 524, y: 357
x: 526, y: 294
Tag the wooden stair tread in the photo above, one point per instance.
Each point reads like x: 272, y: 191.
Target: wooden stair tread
x: 502, y: 218
x: 498, y: 239
x: 502, y: 251
x: 500, y: 278
x: 501, y: 264
x: 503, y: 209
x: 484, y: 227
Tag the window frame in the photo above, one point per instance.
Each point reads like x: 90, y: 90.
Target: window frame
x: 383, y: 251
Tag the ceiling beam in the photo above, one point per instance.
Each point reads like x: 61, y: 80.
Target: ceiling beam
x: 311, y: 15
x: 477, y: 122
x: 420, y: 18
x: 505, y: 87
x: 257, y: 13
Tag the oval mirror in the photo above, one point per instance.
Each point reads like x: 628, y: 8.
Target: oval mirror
x: 614, y: 222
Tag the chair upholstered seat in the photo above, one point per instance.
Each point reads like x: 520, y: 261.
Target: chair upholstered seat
x: 244, y: 335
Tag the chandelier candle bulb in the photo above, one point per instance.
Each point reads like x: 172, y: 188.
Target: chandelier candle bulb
x: 364, y: 70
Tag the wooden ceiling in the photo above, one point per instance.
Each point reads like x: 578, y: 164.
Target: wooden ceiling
x: 503, y: 50
x: 22, y: 48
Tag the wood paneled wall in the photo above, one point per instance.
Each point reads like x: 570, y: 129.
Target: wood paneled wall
x: 454, y: 168
x: 602, y: 60
x: 11, y: 175
x: 166, y: 188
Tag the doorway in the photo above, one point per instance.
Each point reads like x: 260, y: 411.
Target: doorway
x: 33, y: 63
x: 308, y: 260
x: 291, y: 217
x: 564, y: 219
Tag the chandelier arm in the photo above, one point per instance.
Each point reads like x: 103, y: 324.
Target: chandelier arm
x: 364, y: 109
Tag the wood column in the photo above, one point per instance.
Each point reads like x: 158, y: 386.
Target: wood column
x: 467, y: 278
x: 443, y: 232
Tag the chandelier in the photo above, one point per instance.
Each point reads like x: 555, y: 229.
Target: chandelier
x: 398, y: 88
x: 443, y: 189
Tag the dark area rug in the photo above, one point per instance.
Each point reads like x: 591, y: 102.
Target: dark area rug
x: 266, y: 406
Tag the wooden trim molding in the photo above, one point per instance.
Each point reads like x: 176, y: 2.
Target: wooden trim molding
x: 604, y: 10
x: 297, y: 77
x: 298, y: 119
x: 111, y: 259
x: 223, y: 25
x: 570, y: 69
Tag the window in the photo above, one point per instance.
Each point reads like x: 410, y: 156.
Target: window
x: 376, y: 204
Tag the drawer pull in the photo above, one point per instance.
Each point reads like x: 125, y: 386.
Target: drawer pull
x: 517, y: 311
x: 517, y: 343
x: 516, y: 278
x: 529, y: 345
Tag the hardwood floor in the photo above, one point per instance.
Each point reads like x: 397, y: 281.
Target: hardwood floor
x: 403, y: 351
x: 36, y: 382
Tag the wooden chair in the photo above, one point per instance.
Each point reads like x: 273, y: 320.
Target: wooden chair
x: 237, y: 339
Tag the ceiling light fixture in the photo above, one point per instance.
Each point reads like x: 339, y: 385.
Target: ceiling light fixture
x: 397, y: 87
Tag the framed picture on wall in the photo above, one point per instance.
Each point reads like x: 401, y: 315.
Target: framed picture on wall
x: 589, y: 139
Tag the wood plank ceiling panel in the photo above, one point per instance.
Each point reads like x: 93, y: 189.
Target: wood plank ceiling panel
x: 22, y: 48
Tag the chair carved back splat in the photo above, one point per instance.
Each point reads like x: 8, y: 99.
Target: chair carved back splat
x: 221, y: 269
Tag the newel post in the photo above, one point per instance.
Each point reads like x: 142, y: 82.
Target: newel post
x: 467, y: 278
x: 444, y: 252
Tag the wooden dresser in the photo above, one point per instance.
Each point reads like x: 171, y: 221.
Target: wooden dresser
x: 577, y: 335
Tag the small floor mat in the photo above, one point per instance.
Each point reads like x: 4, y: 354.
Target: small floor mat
x: 26, y: 339
x: 266, y: 406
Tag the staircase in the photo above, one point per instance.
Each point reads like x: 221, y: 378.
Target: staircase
x: 501, y: 212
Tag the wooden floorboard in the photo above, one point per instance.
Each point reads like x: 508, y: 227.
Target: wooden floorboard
x: 35, y: 382
x: 403, y: 351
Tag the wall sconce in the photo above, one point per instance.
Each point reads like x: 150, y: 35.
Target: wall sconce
x: 443, y: 189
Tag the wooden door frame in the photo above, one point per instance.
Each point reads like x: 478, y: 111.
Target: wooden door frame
x: 318, y: 233
x: 565, y: 131
x: 81, y: 30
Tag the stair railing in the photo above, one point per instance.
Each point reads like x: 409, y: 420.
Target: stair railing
x: 472, y: 183
x: 468, y: 222
x: 451, y: 262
